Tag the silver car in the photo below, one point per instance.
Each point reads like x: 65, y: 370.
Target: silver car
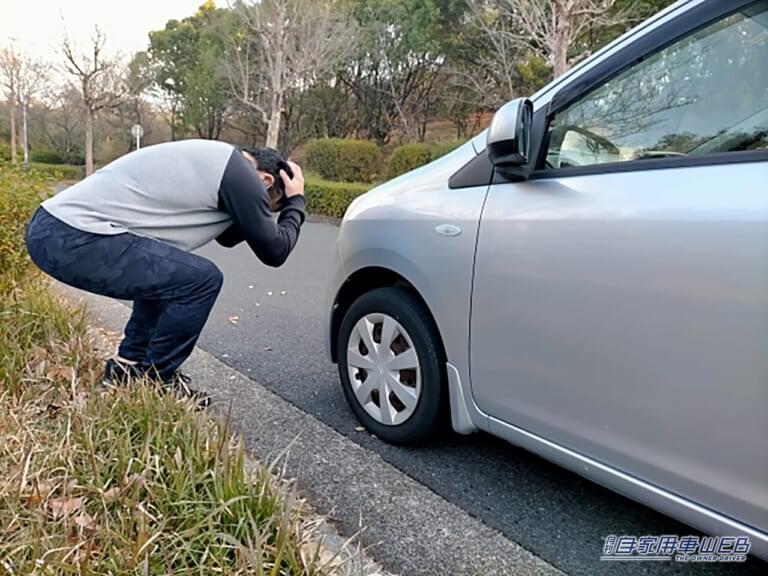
x: 588, y: 278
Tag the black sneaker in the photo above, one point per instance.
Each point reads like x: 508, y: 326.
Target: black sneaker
x: 117, y: 373
x: 179, y: 383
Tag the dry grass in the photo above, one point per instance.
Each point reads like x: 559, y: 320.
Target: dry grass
x: 133, y: 481
x: 122, y: 482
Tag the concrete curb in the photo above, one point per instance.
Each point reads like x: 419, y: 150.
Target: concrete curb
x: 324, y: 219
x: 408, y: 528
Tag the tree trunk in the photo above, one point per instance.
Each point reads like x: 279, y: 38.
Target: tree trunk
x: 276, y: 114
x: 562, y: 40
x: 560, y: 58
x: 12, y: 114
x: 172, y: 123
x: 25, y: 130
x: 88, y: 142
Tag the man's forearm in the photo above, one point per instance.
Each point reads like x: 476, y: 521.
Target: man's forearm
x: 274, y: 251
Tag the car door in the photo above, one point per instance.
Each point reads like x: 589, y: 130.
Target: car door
x: 620, y: 300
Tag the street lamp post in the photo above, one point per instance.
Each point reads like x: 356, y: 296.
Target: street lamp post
x: 25, y: 129
x: 137, y: 132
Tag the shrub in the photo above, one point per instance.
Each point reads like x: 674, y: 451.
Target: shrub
x: 46, y: 156
x: 440, y: 149
x: 408, y: 157
x: 330, y: 198
x: 60, y: 171
x: 20, y: 194
x: 411, y: 156
x: 5, y: 151
x: 342, y: 159
x: 107, y: 150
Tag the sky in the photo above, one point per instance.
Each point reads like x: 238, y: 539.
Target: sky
x: 37, y: 26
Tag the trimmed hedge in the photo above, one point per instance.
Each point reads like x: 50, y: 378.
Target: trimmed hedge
x: 60, y: 171
x: 411, y: 156
x: 408, y: 157
x: 328, y: 198
x: 343, y: 159
x: 442, y: 148
x: 46, y: 156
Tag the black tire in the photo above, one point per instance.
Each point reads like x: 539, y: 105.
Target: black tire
x: 430, y: 415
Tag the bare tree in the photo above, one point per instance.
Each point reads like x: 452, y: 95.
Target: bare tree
x: 135, y: 107
x: 31, y: 80
x: 10, y: 68
x: 23, y: 77
x: 138, y: 81
x: 491, y: 74
x: 549, y: 28
x: 99, y: 81
x: 284, y: 45
x: 61, y: 119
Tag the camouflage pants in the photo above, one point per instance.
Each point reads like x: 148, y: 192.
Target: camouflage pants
x: 172, y: 291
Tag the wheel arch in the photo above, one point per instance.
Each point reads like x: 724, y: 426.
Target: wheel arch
x: 362, y: 281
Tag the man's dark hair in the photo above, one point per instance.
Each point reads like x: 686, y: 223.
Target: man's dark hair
x: 271, y: 161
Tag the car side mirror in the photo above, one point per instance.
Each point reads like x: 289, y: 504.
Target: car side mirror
x: 509, y: 138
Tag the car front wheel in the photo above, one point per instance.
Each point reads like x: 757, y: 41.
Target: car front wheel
x: 392, y: 367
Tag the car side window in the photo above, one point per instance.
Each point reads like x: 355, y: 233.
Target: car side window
x: 704, y: 94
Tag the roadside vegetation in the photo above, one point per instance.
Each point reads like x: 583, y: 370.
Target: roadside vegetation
x: 338, y: 170
x: 120, y: 482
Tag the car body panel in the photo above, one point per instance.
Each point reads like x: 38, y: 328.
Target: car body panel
x: 600, y: 298
x: 684, y: 509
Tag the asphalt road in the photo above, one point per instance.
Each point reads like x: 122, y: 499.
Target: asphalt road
x: 269, y: 324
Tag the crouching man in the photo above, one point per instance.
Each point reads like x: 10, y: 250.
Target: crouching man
x: 128, y: 232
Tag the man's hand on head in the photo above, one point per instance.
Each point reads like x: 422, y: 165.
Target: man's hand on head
x: 293, y: 186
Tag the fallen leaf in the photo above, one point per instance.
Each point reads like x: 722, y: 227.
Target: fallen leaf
x: 38, y: 361
x: 111, y: 495
x: 42, y: 489
x: 57, y: 373
x: 38, y: 354
x: 86, y: 521
x: 64, y: 506
x: 32, y: 499
x: 257, y: 304
x: 268, y: 348
x: 359, y: 429
x: 250, y: 286
x: 233, y: 319
x: 135, y: 480
x: 269, y: 293
x: 178, y: 458
x: 282, y: 293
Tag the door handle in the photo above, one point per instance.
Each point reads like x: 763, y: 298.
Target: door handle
x: 448, y: 230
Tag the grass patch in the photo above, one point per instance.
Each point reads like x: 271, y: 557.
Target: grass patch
x: 126, y: 482
x: 59, y: 171
x: 134, y: 482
